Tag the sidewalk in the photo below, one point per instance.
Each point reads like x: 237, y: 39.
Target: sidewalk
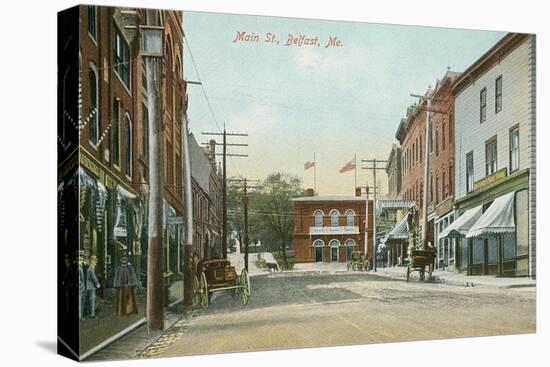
x: 452, y: 278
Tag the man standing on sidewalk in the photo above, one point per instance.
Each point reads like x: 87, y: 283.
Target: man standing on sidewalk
x: 92, y: 284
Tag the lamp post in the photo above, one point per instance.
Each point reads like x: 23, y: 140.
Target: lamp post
x: 152, y: 52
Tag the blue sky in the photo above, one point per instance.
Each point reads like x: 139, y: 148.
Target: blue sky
x: 294, y: 101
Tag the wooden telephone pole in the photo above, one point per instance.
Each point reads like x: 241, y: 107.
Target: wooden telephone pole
x: 224, y: 135
x: 374, y: 169
x: 245, y: 210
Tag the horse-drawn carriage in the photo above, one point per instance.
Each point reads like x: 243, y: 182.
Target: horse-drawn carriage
x: 358, y: 262
x: 218, y: 275
x: 421, y: 261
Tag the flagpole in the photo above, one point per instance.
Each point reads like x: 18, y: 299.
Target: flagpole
x: 355, y: 166
x: 314, y: 174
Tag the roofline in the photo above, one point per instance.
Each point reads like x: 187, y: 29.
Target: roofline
x: 499, y: 51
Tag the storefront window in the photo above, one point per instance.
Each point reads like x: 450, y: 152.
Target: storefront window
x: 509, y: 244
x: 522, y: 222
x: 477, y: 251
x: 463, y: 253
x: 493, y: 250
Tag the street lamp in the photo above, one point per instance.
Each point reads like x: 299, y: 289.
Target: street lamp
x: 152, y: 51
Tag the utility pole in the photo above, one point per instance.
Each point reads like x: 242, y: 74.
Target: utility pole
x: 245, y: 210
x: 374, y: 169
x: 224, y: 135
x: 188, y: 192
x: 155, y: 298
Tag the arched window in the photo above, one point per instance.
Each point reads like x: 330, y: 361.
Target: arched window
x: 168, y: 81
x: 350, y: 245
x: 350, y: 218
x: 318, y: 243
x: 333, y: 245
x: 93, y: 116
x: 334, y: 215
x: 350, y: 242
x: 128, y: 145
x: 318, y: 214
x: 116, y: 132
x: 318, y: 250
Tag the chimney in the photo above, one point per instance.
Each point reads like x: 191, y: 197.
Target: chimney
x: 310, y: 192
x: 212, y: 150
x: 358, y: 191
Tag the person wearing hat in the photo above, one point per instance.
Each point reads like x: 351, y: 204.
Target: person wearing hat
x: 125, y: 282
x: 92, y: 284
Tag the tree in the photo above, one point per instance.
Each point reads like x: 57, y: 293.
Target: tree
x: 275, y: 214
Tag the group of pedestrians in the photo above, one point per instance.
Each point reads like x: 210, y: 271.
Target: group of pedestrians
x: 81, y: 281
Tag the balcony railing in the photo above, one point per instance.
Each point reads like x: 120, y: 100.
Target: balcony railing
x: 334, y: 230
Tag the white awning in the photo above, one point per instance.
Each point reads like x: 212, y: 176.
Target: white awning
x: 401, y: 230
x: 462, y: 224
x: 497, y: 219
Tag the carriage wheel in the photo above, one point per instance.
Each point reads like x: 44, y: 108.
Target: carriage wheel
x: 196, y: 291
x: 408, y: 272
x: 245, y: 286
x: 203, y: 290
x: 423, y: 274
x: 237, y: 290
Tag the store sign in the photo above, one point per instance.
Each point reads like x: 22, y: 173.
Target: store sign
x: 444, y: 207
x: 104, y: 177
x: 490, y: 179
x: 334, y: 230
x: 174, y: 220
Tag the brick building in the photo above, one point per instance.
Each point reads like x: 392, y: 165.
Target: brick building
x: 411, y: 134
x: 329, y: 228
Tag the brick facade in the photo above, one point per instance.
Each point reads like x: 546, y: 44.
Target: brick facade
x: 304, y: 223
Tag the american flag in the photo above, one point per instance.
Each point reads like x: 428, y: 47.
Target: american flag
x: 308, y: 165
x: 350, y: 166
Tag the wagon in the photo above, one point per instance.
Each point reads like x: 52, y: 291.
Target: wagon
x: 219, y: 275
x: 421, y: 261
x: 357, y: 261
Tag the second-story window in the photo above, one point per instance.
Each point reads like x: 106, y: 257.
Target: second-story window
x: 514, y: 149
x: 92, y: 21
x: 443, y: 137
x: 93, y: 120
x: 334, y: 216
x: 498, y: 94
x: 350, y: 218
x: 121, y: 58
x: 145, y: 136
x: 128, y: 146
x: 469, y: 171
x: 116, y: 132
x: 318, y: 215
x: 483, y: 105
x: 436, y: 141
x: 490, y: 156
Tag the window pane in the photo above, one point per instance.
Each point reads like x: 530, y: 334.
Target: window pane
x: 522, y: 222
x: 477, y: 251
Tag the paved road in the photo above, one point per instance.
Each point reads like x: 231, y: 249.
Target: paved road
x: 290, y: 310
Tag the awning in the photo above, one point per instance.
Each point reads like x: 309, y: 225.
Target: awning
x: 497, y: 219
x: 401, y: 230
x: 462, y: 224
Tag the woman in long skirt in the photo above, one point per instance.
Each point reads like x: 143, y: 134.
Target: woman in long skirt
x: 125, y: 282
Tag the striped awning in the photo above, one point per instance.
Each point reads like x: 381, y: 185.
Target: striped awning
x: 497, y: 219
x: 462, y: 224
x: 401, y: 230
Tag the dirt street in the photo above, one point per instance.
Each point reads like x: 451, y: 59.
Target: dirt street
x: 297, y: 310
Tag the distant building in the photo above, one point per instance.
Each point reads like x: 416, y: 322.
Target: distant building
x: 495, y: 154
x: 393, y: 170
x: 207, y: 200
x: 330, y: 228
